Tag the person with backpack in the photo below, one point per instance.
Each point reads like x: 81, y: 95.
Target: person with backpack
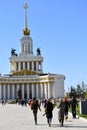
x: 35, y: 106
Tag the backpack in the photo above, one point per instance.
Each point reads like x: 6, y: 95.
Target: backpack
x: 34, y: 105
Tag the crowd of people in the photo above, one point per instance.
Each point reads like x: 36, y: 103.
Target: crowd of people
x: 62, y: 104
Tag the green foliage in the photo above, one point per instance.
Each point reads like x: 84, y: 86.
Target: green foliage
x: 85, y: 94
x: 72, y: 92
x: 77, y: 92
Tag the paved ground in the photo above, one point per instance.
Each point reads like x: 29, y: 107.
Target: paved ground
x: 15, y: 117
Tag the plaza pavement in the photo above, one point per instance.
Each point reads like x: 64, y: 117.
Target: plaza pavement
x: 16, y: 117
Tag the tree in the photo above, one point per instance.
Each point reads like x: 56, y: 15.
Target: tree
x: 86, y: 94
x: 72, y: 92
x: 80, y: 91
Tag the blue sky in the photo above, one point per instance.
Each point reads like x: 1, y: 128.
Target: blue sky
x: 58, y: 27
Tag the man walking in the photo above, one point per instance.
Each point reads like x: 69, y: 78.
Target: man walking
x: 34, y: 107
x: 74, y: 103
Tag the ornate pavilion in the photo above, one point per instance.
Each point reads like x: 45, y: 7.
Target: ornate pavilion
x: 26, y: 77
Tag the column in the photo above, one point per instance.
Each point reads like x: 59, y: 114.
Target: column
x: 17, y: 89
x: 45, y: 90
x: 4, y: 92
x: 0, y: 91
x: 19, y: 66
x: 32, y: 65
x: 8, y: 91
x: 51, y: 89
x: 41, y: 67
x: 10, y: 66
x: 22, y: 48
x: 13, y: 96
x: 32, y: 87
x: 48, y: 90
x: 23, y: 65
x: 37, y: 66
x: 15, y: 66
x: 42, y: 90
x: 23, y: 91
x: 37, y: 94
x: 27, y: 91
x: 28, y: 65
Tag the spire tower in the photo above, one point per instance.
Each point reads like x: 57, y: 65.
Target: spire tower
x: 26, y: 31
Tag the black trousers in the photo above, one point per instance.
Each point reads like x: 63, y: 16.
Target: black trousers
x: 35, y: 117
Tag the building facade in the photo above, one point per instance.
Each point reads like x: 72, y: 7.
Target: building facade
x: 26, y: 78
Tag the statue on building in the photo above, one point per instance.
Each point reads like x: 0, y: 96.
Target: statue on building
x: 38, y: 51
x: 13, y: 52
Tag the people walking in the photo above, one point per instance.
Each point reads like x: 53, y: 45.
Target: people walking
x: 48, y: 111
x: 35, y: 106
x: 67, y: 106
x: 74, y: 103
x: 61, y: 110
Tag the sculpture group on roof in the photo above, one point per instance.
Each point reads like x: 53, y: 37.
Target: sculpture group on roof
x: 38, y: 51
x: 13, y: 52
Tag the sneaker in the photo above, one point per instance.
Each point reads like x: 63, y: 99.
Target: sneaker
x: 49, y: 125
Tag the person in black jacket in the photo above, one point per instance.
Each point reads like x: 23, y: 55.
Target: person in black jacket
x: 67, y: 106
x: 74, y: 103
x: 35, y: 106
x: 48, y: 111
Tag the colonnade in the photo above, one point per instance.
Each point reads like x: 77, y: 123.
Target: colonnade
x: 27, y: 90
x: 33, y: 65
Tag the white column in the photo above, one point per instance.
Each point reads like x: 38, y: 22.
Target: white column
x: 17, y: 89
x: 41, y: 67
x: 10, y: 66
x: 27, y: 91
x: 0, y: 91
x: 32, y: 65
x: 22, y: 48
x: 37, y: 94
x: 4, y: 92
x: 41, y: 90
x: 15, y: 66
x: 32, y: 87
x: 45, y: 90
x: 37, y: 66
x: 48, y: 90
x: 8, y: 91
x: 23, y: 65
x: 28, y: 65
x: 51, y: 90
x: 13, y: 96
x: 23, y: 91
x: 19, y: 66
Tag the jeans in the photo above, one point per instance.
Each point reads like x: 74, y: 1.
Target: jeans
x: 49, y: 120
x: 74, y: 113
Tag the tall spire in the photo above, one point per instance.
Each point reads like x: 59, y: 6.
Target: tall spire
x: 26, y: 31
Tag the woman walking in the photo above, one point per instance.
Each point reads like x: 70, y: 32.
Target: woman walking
x: 48, y: 111
x: 61, y: 109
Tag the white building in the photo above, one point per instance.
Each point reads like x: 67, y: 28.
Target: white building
x: 26, y: 73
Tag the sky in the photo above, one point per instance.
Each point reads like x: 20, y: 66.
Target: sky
x: 57, y: 27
